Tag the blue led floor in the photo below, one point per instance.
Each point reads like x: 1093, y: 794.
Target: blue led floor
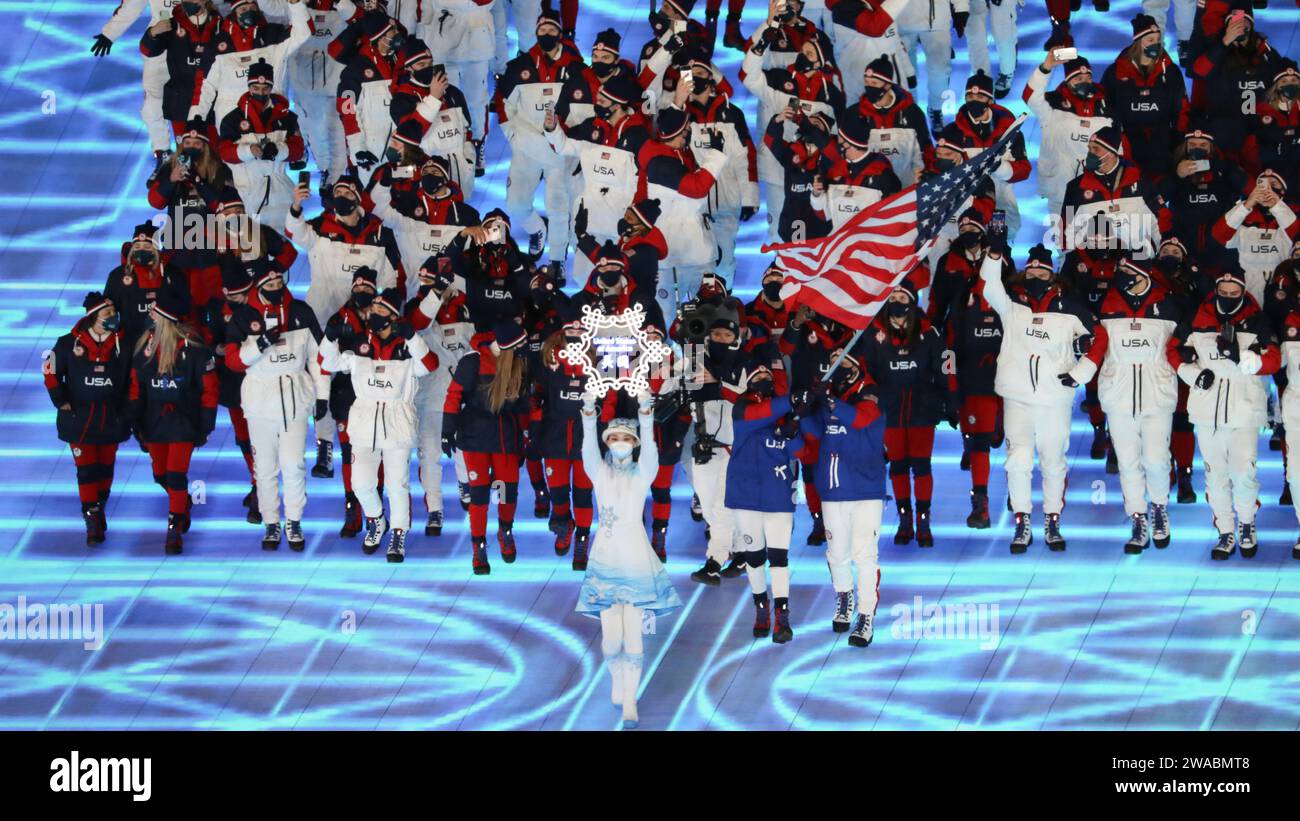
x: 228, y: 636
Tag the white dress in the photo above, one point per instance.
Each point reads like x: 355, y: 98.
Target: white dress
x: 622, y: 567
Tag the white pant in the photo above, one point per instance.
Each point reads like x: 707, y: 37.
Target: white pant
x: 710, y: 482
x: 1142, y: 451
x: 774, y: 196
x: 1184, y: 15
x: 853, y: 536
x: 155, y: 77
x: 278, y: 457
x: 1293, y: 464
x: 1002, y: 20
x: 1041, y: 428
x: 471, y: 77
x: 1230, y: 482
x: 766, y: 531
x: 430, y: 456
x: 323, y: 130
x: 521, y: 183
x: 726, y: 224
x: 937, y: 45
x: 397, y: 482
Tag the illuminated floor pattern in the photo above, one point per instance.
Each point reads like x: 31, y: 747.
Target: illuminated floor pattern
x: 230, y: 637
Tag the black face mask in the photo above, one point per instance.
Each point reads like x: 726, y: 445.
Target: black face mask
x: 1198, y: 154
x: 1228, y: 305
x: 842, y: 380
x: 977, y: 109
x: 1124, y: 282
x: 270, y: 297
x: 191, y: 9
x: 378, y: 323
x: 699, y: 85
x: 772, y: 290
x: 1152, y: 51
x: 1290, y: 92
x: 423, y: 76
x: 393, y: 155
x: 144, y: 258
x: 1083, y: 90
x: 762, y: 389
x: 1168, y: 263
x: 802, y: 64
x: 873, y: 94
x: 1036, y: 287
x: 193, y: 154
x: 625, y: 228
x: 112, y: 323
x: 547, y: 42
x: 344, y: 206
x: 969, y: 239
x: 719, y: 352
x: 1092, y: 162
x: 362, y: 299
x: 610, y: 278
x: 900, y: 309
x: 248, y: 19
x: 432, y: 183
x: 603, y: 70
x: 603, y: 111
x: 945, y: 164
x: 395, y: 45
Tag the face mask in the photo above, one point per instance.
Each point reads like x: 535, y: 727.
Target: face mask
x: 1198, y: 154
x: 362, y: 299
x: 977, y: 109
x: 423, y: 76
x: 1092, y: 162
x: 772, y: 290
x: 1227, y: 305
x: 841, y: 381
x: 547, y: 42
x: 259, y: 96
x: 611, y: 277
x: 1152, y: 51
x: 396, y: 43
x: 270, y: 297
x: 248, y: 19
x: 112, y: 323
x: 899, y: 309
x: 719, y: 351
x: 1290, y: 92
x: 1083, y: 90
x: 344, y: 206
x: 625, y: 228
x: 191, y: 9
x: 803, y: 64
x: 378, y: 323
x: 699, y: 85
x: 620, y: 450
x: 192, y: 154
x: 393, y: 155
x: 432, y: 183
x: 763, y: 388
x: 969, y: 239
x: 945, y: 164
x: 873, y: 94
x: 1125, y: 282
x: 603, y: 111
x: 142, y: 258
x: 1168, y: 263
x: 603, y: 70
x: 1036, y: 287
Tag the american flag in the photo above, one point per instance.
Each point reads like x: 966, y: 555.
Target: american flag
x: 847, y: 275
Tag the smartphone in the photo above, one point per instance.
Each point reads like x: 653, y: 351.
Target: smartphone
x: 998, y: 222
x: 403, y: 172
x: 1201, y: 165
x: 679, y: 26
x: 496, y: 234
x: 439, y: 69
x: 1236, y: 16
x: 1064, y: 54
x: 304, y: 178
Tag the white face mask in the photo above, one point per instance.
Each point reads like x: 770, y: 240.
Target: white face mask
x: 620, y: 450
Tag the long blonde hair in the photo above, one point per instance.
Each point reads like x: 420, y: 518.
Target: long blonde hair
x: 509, y: 380
x: 164, y: 341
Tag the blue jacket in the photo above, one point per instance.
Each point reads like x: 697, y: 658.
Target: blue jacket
x: 761, y: 473
x: 851, y: 459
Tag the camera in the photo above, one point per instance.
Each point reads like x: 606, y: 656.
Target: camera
x: 703, y: 446
x: 696, y: 317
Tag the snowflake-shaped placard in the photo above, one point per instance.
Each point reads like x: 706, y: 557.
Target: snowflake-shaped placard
x: 614, y: 351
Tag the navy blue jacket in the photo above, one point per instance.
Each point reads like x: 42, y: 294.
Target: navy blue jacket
x: 851, y: 456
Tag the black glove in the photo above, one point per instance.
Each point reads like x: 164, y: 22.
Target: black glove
x: 297, y: 165
x: 1082, y: 344
x: 1067, y: 380
x: 322, y: 408
x: 448, y: 443
x: 580, y: 221
x: 334, y: 331
x: 365, y: 159
x: 747, y: 213
x: 675, y: 44
x: 789, y: 427
x: 1186, y: 354
x: 1228, y: 349
x: 270, y: 150
x: 715, y: 140
x: 1205, y: 379
x: 263, y: 342
x: 102, y: 46
x: 952, y: 415
x: 801, y: 402
x: 959, y: 20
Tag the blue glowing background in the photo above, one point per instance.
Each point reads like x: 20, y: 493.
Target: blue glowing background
x: 229, y: 637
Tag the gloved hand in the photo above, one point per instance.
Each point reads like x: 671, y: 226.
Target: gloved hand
x: 102, y: 46
x: 270, y: 150
x: 297, y: 165
x: 716, y: 142
x: 789, y: 427
x: 747, y: 213
x: 959, y: 20
x: 580, y: 221
x: 1067, y: 380
x: 448, y: 443
x: 322, y: 408
x: 1228, y: 350
x: 1205, y: 379
x: 1082, y: 345
x: 952, y: 415
x: 263, y: 342
x: 675, y: 44
x: 366, y: 160
x: 334, y: 331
